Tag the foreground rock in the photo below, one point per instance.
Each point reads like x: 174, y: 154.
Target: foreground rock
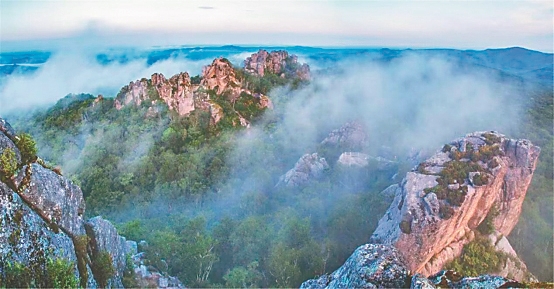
x: 439, y: 206
x: 369, y: 266
x: 41, y: 218
x: 382, y: 266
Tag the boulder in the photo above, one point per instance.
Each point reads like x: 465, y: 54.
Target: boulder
x: 308, y: 167
x: 370, y: 266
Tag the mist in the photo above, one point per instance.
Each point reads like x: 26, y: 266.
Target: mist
x: 412, y: 104
x: 78, y: 71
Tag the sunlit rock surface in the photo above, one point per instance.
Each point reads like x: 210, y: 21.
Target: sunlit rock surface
x: 430, y: 231
x: 276, y: 62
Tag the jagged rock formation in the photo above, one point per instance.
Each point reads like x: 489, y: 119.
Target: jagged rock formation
x: 276, y: 62
x: 175, y: 92
x: 308, y: 167
x: 438, y: 207
x: 220, y: 76
x: 182, y: 96
x: 382, y: 266
x: 41, y: 216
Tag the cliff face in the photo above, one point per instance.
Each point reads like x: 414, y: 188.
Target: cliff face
x: 41, y: 216
x: 438, y: 207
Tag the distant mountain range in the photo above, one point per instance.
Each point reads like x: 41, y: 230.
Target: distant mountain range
x: 516, y: 61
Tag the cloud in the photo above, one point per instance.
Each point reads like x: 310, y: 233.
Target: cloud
x: 75, y: 71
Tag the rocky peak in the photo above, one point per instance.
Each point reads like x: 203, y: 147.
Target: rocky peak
x: 276, y: 62
x: 220, y: 76
x: 439, y: 205
x: 133, y: 93
x: 183, y: 97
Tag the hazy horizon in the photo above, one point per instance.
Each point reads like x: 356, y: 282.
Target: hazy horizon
x: 28, y: 25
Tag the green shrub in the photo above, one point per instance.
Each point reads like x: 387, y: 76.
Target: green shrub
x: 406, y: 226
x: 61, y: 274
x: 129, y: 276
x: 27, y: 147
x: 15, y: 275
x: 8, y: 163
x: 478, y: 257
x: 487, y: 226
x: 102, y: 267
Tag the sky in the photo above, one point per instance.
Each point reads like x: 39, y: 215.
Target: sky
x: 445, y: 24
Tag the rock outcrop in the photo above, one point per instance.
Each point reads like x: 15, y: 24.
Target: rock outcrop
x: 220, y: 76
x: 181, y: 96
x: 276, y: 62
x: 438, y: 206
x: 41, y: 218
x: 176, y: 92
x: 382, y: 266
x: 308, y: 167
x: 370, y: 266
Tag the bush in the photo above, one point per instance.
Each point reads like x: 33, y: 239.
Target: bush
x: 8, y: 163
x: 487, y: 226
x: 15, y: 275
x: 61, y: 274
x: 102, y: 267
x: 129, y: 276
x: 27, y: 147
x: 478, y: 257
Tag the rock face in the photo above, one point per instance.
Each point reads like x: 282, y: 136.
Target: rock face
x: 175, y: 92
x: 25, y: 238
x: 276, y: 62
x: 438, y: 207
x: 55, y: 196
x: 104, y: 237
x: 41, y: 218
x: 220, y: 76
x: 309, y: 166
x: 382, y: 266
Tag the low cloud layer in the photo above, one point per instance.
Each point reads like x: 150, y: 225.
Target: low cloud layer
x: 410, y: 102
x: 71, y: 71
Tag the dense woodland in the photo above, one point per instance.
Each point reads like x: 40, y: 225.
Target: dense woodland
x: 205, y: 200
